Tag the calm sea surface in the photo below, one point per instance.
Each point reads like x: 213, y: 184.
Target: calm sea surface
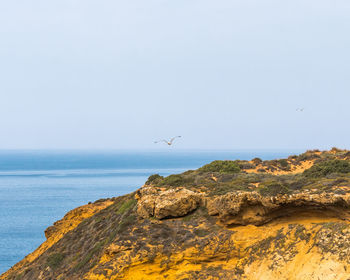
x: 39, y: 187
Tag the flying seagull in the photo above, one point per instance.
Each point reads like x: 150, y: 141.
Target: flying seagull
x: 300, y: 109
x: 170, y: 142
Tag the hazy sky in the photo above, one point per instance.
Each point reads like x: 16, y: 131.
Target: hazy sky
x: 223, y: 74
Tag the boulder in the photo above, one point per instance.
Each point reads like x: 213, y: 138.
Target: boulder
x: 162, y: 204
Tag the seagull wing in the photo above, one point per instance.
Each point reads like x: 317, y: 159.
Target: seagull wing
x: 165, y: 141
x: 172, y: 139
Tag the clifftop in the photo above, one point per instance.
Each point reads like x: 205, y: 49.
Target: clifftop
x: 277, y: 219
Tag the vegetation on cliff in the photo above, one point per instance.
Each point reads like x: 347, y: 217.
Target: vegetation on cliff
x: 327, y: 167
x: 278, y: 219
x: 324, y: 171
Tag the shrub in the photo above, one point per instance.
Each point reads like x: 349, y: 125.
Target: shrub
x: 308, y: 155
x: 54, y: 260
x: 126, y: 206
x: 336, y: 150
x: 328, y: 167
x: 257, y: 161
x: 222, y: 189
x: 154, y: 179
x: 126, y: 222
x: 273, y: 189
x: 283, y: 163
x: 245, y: 165
x: 176, y: 180
x: 297, y: 184
x: 223, y: 166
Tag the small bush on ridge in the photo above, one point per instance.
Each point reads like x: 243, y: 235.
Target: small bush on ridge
x: 222, y: 166
x: 328, y: 167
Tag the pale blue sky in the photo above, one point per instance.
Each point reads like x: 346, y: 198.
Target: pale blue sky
x: 223, y: 74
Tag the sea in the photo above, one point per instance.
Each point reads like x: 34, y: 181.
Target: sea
x: 37, y: 188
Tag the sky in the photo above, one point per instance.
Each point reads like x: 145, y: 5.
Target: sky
x: 227, y: 74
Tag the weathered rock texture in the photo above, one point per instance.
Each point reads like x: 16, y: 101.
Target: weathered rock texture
x: 243, y: 208
x: 167, y: 203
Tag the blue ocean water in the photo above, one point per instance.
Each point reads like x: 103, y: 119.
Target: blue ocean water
x: 38, y: 187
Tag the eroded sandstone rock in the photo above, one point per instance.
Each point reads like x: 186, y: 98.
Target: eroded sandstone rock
x: 244, y: 208
x: 167, y: 203
x: 239, y: 208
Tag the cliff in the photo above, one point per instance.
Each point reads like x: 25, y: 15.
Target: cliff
x: 280, y: 219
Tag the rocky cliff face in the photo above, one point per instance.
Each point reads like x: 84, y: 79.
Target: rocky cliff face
x: 283, y: 219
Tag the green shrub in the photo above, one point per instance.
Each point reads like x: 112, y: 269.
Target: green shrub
x: 257, y: 161
x: 222, y: 166
x: 328, y: 167
x: 308, y: 155
x: 297, y: 184
x: 176, y: 180
x: 245, y: 165
x: 336, y: 150
x: 154, y: 179
x: 273, y: 189
x: 126, y: 206
x: 54, y: 260
x: 126, y: 222
x: 222, y: 189
x: 283, y: 163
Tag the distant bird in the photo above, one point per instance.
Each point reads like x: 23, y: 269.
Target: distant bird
x: 170, y: 142
x: 300, y: 109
